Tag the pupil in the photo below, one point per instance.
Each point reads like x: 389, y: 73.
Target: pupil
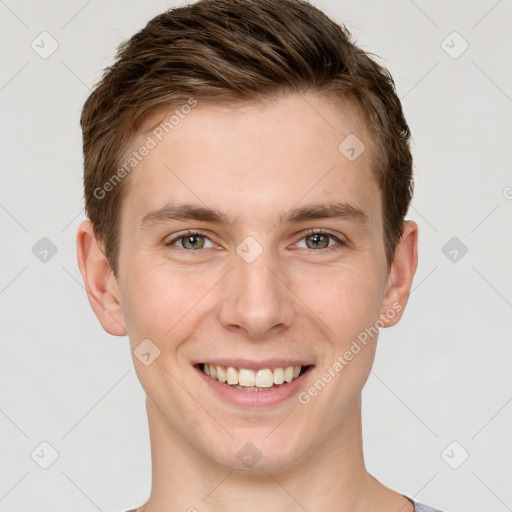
x: 192, y: 240
x: 316, y: 240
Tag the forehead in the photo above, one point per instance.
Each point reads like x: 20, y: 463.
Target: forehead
x: 254, y: 157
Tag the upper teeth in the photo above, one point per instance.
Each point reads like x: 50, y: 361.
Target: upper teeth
x: 264, y: 378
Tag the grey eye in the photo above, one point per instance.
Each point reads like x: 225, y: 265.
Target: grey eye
x: 318, y: 241
x: 192, y: 241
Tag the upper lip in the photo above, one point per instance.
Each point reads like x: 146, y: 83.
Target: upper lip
x: 255, y: 365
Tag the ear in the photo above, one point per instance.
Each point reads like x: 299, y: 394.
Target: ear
x: 100, y: 283
x: 401, y: 274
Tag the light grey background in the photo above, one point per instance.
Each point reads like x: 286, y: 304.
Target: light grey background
x: 442, y: 375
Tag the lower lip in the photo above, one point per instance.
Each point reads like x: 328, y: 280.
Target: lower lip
x: 256, y: 399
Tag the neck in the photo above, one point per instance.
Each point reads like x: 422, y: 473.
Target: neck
x: 332, y: 478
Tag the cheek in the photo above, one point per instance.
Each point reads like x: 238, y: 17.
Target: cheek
x: 158, y: 304
x: 160, y: 299
x: 347, y: 299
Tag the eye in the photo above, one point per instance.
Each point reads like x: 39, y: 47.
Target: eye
x: 314, y: 239
x: 318, y: 239
x: 190, y: 240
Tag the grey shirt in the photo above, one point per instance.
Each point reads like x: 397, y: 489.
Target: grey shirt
x: 418, y: 507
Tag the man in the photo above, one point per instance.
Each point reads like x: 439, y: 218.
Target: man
x: 247, y: 175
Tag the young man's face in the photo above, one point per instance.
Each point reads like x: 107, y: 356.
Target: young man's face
x: 260, y: 293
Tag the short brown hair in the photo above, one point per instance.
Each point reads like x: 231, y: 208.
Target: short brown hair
x: 230, y: 51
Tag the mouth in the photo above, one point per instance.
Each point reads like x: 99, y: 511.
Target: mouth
x: 254, y: 379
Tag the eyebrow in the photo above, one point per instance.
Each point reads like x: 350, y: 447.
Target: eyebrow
x: 186, y: 211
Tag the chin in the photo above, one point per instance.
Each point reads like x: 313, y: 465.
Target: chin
x: 258, y: 453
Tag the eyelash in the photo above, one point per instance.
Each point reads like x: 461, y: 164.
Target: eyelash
x: 340, y: 243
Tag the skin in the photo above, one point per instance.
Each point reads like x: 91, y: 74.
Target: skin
x: 254, y: 162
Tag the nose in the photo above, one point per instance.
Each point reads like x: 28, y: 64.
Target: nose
x: 255, y: 298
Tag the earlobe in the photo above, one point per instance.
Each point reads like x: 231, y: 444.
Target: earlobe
x: 100, y: 284
x: 401, y: 275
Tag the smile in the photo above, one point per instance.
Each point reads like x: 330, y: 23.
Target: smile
x: 264, y: 379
